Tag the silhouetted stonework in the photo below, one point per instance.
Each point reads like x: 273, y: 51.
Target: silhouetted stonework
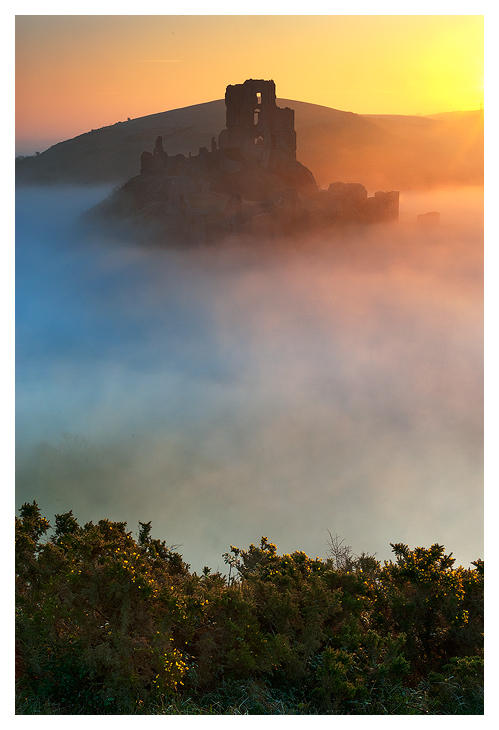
x: 249, y: 182
x: 256, y: 128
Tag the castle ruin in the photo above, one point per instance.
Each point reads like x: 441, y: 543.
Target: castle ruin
x: 249, y: 180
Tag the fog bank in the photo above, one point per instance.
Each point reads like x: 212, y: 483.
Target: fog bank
x: 333, y: 382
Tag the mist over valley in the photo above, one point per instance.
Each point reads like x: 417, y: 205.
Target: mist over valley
x: 331, y: 381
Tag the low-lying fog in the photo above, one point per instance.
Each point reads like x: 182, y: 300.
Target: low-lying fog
x: 228, y: 394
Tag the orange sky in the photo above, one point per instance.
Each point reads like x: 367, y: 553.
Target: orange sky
x: 74, y: 73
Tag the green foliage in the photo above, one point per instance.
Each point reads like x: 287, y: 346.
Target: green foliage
x: 110, y: 624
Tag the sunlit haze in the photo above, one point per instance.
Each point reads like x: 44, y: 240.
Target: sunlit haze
x: 227, y: 394
x: 74, y: 73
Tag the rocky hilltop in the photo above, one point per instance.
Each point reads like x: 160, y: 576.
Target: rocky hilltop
x: 247, y: 181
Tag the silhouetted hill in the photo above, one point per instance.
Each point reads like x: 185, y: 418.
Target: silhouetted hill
x: 381, y: 151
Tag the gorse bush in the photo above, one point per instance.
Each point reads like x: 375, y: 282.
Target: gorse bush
x: 110, y: 624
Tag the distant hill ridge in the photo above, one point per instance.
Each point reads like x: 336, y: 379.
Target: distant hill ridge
x: 382, y: 151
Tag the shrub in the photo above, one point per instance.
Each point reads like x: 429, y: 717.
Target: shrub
x: 107, y: 623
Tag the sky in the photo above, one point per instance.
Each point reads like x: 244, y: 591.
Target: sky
x: 75, y: 73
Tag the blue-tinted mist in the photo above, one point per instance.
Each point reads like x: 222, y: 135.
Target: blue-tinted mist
x: 84, y: 309
x: 333, y: 382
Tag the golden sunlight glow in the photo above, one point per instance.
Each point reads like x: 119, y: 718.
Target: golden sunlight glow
x: 78, y: 72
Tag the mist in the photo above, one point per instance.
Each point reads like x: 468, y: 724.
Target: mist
x: 330, y: 382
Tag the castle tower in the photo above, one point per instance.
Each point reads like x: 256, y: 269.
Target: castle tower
x: 256, y: 128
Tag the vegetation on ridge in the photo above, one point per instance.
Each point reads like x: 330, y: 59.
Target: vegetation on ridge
x: 106, y: 623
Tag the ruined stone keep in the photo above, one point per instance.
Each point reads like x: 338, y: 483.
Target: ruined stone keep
x: 256, y: 127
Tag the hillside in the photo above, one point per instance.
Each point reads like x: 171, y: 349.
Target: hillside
x: 382, y: 151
